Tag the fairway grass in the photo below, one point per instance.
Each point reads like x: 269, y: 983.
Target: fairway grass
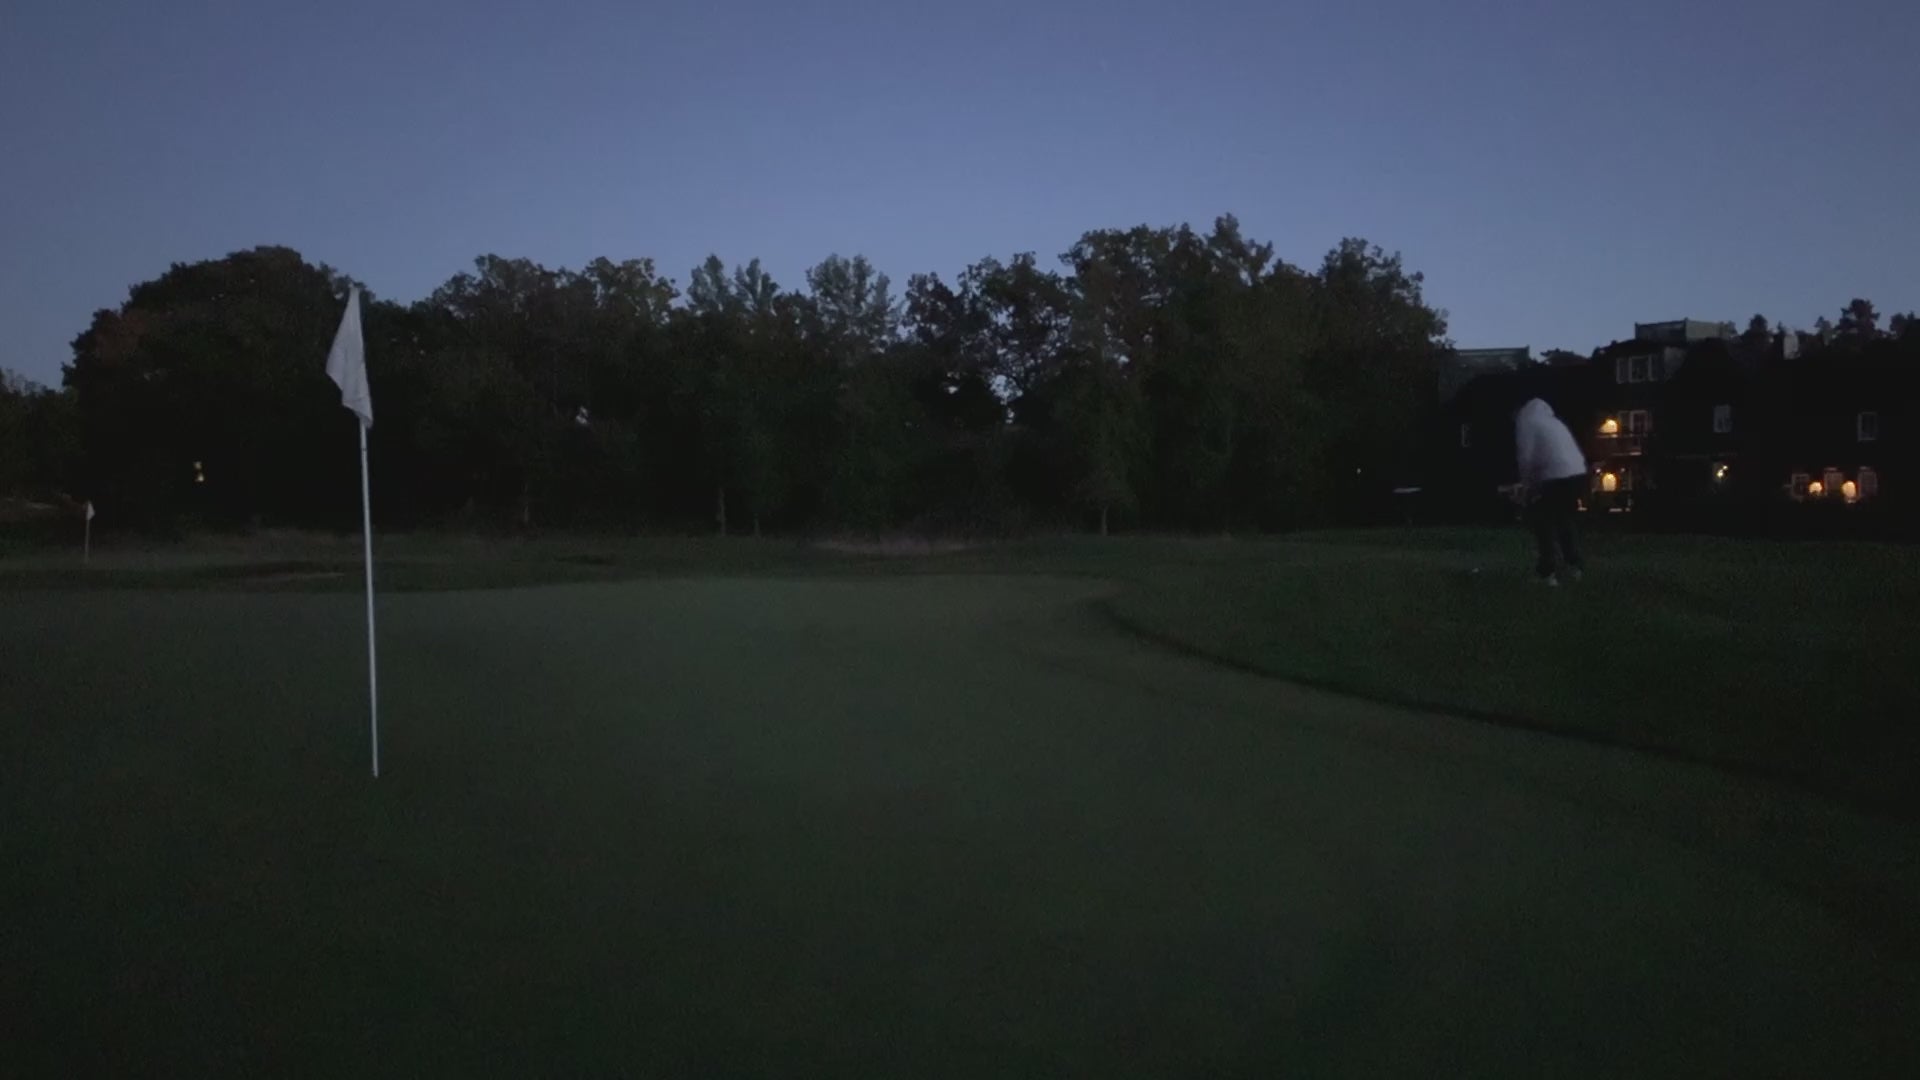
x: 903, y: 824
x: 1791, y: 661
x: 1794, y: 661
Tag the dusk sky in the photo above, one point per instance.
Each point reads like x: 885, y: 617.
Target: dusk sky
x: 1558, y: 170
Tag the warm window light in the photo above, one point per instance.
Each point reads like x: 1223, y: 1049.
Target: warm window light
x: 1816, y: 488
x: 1609, y: 482
x: 1850, y: 491
x: 1609, y: 426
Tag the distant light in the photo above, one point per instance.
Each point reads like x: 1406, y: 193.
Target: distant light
x: 1816, y: 488
x: 1719, y: 472
x: 1609, y: 482
x: 1850, y: 491
x: 1609, y: 426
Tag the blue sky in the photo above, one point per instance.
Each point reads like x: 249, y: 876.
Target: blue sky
x: 1558, y: 170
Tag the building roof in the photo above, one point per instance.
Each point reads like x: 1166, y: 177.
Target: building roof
x: 1465, y: 365
x: 1678, y: 331
x: 1477, y: 356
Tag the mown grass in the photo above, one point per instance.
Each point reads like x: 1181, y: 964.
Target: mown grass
x: 1792, y: 660
x: 1796, y: 661
x: 750, y: 824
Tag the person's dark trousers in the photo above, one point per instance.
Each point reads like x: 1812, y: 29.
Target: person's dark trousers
x: 1551, y: 515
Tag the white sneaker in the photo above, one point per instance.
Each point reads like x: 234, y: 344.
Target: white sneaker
x: 1551, y: 581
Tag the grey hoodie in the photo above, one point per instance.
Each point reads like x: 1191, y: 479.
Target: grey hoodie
x: 1545, y: 447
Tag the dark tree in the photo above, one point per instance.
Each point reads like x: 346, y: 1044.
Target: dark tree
x: 1858, y: 321
x: 1160, y: 377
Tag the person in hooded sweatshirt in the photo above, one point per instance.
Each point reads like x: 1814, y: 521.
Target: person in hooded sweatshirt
x: 1553, y: 473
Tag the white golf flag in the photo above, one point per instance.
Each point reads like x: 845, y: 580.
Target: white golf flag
x: 347, y: 367
x: 89, y: 509
x: 347, y: 362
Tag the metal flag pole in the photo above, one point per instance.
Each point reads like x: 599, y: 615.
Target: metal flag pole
x: 347, y: 367
x: 366, y: 535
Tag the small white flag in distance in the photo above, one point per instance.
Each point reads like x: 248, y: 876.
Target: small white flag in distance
x: 347, y: 362
x: 89, y: 509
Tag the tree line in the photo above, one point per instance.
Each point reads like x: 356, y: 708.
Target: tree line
x: 1157, y: 378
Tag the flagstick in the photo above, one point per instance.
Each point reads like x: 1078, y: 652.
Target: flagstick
x: 86, y: 542
x: 366, y: 534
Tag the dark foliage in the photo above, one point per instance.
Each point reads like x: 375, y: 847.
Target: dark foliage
x: 1161, y: 378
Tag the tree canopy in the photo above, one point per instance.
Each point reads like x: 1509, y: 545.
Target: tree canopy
x: 1148, y: 378
x: 1159, y: 378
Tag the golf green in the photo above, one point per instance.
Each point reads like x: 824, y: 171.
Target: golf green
x: 908, y: 826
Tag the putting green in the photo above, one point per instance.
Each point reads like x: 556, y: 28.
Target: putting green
x: 912, y: 826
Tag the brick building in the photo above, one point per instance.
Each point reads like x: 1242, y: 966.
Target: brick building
x: 1690, y: 423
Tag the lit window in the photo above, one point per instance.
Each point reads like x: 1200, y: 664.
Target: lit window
x: 1723, y: 419
x: 1869, y: 482
x: 1610, y: 426
x: 1609, y: 482
x: 1639, y: 422
x: 1866, y: 426
x: 1849, y: 490
x: 1816, y: 489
